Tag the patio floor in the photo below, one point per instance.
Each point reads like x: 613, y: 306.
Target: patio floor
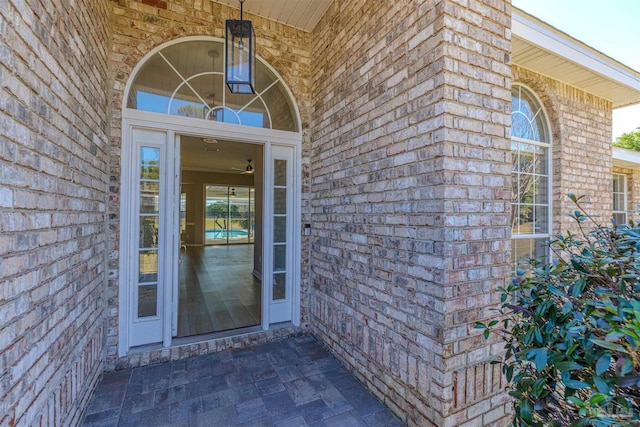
x: 293, y: 382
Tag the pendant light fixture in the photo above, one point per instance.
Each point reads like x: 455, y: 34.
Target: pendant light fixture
x: 240, y: 59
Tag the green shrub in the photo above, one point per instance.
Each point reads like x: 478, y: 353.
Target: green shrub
x: 572, y: 330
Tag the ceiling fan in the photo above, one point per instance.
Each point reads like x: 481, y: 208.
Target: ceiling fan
x: 249, y: 170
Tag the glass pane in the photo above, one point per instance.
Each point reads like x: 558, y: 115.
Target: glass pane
x: 527, y: 117
x: 279, y: 257
x: 203, y: 56
x: 147, y: 300
x: 525, y: 160
x: 279, y: 229
x: 280, y: 172
x: 541, y: 219
x: 195, y: 99
x: 525, y: 219
x: 617, y: 183
x: 153, y: 86
x: 541, y: 187
x: 149, y: 163
x: 523, y: 250
x: 280, y: 108
x: 618, y: 202
x: 520, y: 126
x: 620, y: 218
x: 279, y: 200
x: 149, y: 197
x: 541, y: 161
x: 239, y: 215
x: 148, y: 269
x: 279, y: 286
x: 525, y: 188
x: 149, y: 231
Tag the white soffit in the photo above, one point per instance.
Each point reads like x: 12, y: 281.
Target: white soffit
x: 544, y: 49
x: 302, y: 14
x: 626, y: 158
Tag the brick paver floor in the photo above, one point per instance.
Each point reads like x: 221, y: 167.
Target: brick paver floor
x: 294, y: 382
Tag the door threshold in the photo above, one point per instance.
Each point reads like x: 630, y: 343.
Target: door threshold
x: 175, y: 342
x: 197, y: 339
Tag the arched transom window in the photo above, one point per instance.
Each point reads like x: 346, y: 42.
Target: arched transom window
x: 187, y: 79
x: 531, y: 185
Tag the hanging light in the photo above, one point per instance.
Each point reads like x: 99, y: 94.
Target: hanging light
x: 240, y: 59
x: 249, y: 169
x: 233, y: 192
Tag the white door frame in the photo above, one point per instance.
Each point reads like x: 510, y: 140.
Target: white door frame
x: 173, y: 126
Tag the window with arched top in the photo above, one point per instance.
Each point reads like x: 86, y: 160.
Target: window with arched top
x: 187, y: 79
x: 531, y: 178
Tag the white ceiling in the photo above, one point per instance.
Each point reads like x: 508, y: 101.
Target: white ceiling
x: 222, y: 157
x: 302, y: 14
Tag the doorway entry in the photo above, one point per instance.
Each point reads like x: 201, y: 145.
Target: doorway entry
x: 175, y: 104
x: 219, y: 267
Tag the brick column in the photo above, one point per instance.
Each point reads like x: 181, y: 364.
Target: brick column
x: 410, y: 175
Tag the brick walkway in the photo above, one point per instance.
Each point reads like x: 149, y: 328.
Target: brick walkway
x: 294, y: 382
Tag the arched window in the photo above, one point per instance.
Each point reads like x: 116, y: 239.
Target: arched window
x: 531, y: 183
x: 187, y: 79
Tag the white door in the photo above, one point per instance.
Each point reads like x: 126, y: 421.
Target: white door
x: 279, y: 269
x: 146, y: 237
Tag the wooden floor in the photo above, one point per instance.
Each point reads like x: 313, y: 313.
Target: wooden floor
x: 217, y: 290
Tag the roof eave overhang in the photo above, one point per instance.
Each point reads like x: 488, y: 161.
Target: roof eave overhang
x: 544, y: 49
x: 625, y: 158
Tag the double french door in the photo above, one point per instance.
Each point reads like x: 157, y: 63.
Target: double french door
x: 150, y: 237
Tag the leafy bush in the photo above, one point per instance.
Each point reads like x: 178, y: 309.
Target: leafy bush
x: 572, y: 330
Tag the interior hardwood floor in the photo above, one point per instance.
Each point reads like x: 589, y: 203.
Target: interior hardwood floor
x: 217, y: 290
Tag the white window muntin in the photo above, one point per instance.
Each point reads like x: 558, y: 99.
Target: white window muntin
x: 620, y: 198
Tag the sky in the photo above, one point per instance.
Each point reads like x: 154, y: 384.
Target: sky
x: 610, y: 26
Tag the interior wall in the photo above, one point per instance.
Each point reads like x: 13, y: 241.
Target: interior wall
x: 54, y: 165
x: 193, y: 183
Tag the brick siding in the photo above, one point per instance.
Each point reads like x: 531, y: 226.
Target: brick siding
x: 53, y: 189
x: 410, y: 200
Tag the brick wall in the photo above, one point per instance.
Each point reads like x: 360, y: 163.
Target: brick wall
x: 139, y: 26
x: 53, y: 182
x: 581, y: 139
x: 410, y: 200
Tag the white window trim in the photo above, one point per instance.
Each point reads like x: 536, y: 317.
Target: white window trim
x: 549, y: 146
x: 625, y: 194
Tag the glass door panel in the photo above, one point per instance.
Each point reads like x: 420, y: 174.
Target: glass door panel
x: 147, y: 200
x: 229, y: 215
x: 239, y: 209
x: 281, y: 264
x: 149, y: 219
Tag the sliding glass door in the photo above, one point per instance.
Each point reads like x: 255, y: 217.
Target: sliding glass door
x: 229, y: 215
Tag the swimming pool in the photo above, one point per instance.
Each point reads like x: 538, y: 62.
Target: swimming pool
x: 223, y: 234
